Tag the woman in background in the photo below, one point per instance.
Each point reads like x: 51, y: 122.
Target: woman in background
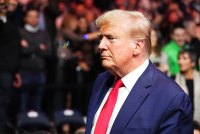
x: 157, y: 57
x: 188, y: 79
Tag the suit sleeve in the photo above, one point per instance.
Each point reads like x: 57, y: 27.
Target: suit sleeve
x: 178, y: 117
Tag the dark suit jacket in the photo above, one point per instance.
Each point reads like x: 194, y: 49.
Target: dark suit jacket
x: 155, y: 105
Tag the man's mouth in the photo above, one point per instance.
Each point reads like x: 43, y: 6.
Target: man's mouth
x: 104, y: 56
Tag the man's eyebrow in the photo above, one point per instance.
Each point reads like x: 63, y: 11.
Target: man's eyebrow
x: 99, y: 34
x: 109, y: 35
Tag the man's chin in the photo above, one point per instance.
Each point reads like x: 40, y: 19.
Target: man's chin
x: 109, y: 69
x: 106, y: 65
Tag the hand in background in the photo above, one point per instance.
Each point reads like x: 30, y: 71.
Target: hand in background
x: 84, y: 66
x: 42, y: 47
x: 24, y: 43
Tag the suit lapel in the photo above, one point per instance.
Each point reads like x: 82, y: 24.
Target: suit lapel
x: 99, y: 95
x: 134, y: 100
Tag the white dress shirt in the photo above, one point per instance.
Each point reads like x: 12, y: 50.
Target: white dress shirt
x: 31, y: 28
x: 3, y: 19
x: 129, y: 81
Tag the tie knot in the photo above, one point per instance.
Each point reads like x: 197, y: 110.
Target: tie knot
x: 118, y: 83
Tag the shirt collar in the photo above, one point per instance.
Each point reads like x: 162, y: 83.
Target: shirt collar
x: 31, y: 29
x: 130, y: 79
x: 3, y: 18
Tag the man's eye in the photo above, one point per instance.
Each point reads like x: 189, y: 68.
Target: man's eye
x: 100, y: 37
x: 111, y: 38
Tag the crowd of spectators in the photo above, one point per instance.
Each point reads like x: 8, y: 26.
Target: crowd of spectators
x: 49, y: 57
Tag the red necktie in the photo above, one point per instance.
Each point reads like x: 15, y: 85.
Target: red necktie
x: 106, y: 112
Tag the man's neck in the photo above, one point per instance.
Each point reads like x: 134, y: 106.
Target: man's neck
x: 132, y: 66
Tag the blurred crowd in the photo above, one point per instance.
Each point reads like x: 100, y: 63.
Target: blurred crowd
x: 49, y: 57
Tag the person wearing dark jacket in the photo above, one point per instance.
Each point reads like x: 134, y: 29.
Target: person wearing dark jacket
x: 35, y: 46
x: 9, y: 63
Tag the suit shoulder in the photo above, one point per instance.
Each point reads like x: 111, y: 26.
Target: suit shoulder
x: 166, y: 84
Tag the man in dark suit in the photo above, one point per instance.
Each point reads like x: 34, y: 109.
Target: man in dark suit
x: 143, y: 100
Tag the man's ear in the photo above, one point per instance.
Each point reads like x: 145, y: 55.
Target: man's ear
x: 139, y: 47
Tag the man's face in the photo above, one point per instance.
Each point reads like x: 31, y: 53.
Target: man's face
x: 191, y: 29
x: 3, y: 7
x: 185, y: 63
x: 116, y: 47
x: 179, y: 36
x: 32, y: 18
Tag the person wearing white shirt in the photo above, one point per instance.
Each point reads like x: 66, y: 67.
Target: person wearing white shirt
x: 132, y: 96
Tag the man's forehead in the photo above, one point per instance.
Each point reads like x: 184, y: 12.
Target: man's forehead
x: 109, y: 33
x: 111, y: 28
x: 179, y: 30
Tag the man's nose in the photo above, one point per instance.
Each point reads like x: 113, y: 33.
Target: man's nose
x: 102, y: 44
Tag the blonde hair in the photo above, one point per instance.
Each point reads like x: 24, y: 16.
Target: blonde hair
x: 138, y: 26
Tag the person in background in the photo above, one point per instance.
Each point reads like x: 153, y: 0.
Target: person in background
x: 10, y: 54
x: 189, y: 26
x: 157, y: 57
x: 195, y: 45
x: 35, y: 46
x: 133, y: 96
x: 48, y: 12
x: 90, y: 7
x: 189, y: 79
x: 17, y: 10
x: 173, y: 47
x: 173, y: 15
